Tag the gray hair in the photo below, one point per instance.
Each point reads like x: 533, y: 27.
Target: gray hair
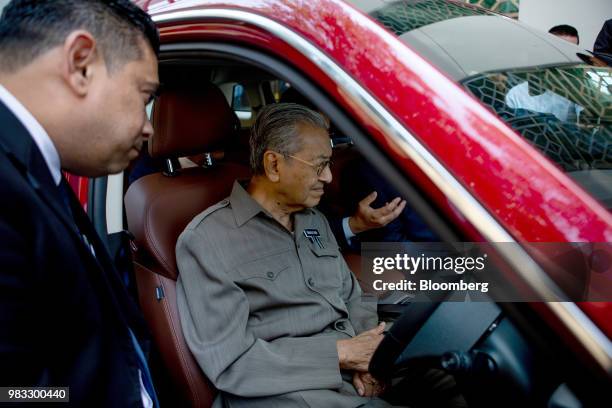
x: 276, y: 129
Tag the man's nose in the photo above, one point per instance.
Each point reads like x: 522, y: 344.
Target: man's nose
x: 147, y: 129
x: 326, y: 175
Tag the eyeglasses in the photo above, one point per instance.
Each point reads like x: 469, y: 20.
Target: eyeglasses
x: 319, y: 168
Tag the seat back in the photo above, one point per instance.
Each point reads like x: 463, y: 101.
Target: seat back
x: 188, y: 121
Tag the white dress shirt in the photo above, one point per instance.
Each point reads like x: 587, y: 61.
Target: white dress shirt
x: 346, y: 228
x: 38, y: 133
x: 547, y: 102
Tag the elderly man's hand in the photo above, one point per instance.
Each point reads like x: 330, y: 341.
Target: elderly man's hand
x: 367, y: 218
x: 366, y: 385
x: 356, y: 353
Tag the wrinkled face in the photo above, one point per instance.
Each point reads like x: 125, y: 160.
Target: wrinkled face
x: 300, y: 185
x: 119, y: 121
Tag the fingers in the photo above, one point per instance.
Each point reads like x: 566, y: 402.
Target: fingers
x: 392, y: 206
x: 391, y: 211
x: 358, y: 383
x: 400, y: 208
x: 388, y: 207
x: 356, y: 353
x: 378, y: 330
x: 369, y: 199
x: 366, y: 385
x: 377, y: 386
x: 369, y: 389
x: 367, y: 217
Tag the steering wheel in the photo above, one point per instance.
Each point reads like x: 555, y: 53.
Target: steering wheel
x: 382, y: 364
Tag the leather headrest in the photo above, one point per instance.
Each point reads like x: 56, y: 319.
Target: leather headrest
x: 190, y: 119
x: 158, y: 208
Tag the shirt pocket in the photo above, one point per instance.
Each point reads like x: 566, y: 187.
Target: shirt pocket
x: 268, y: 267
x: 327, y: 267
x: 265, y: 282
x: 325, y: 252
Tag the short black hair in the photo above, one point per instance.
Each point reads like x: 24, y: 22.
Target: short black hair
x: 28, y: 28
x: 565, y: 29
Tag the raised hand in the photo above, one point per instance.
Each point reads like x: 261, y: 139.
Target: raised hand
x: 367, y: 218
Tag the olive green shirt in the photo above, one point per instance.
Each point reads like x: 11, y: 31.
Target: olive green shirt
x: 262, y: 308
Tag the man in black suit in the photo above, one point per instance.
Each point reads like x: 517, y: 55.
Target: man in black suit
x: 75, y: 77
x: 603, y: 42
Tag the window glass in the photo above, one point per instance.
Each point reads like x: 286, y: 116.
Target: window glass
x: 565, y: 112
x: 562, y: 108
x: 240, y: 100
x: 403, y: 16
x: 149, y: 109
x: 278, y: 87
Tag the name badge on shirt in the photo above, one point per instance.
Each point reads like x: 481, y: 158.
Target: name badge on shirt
x: 313, y: 236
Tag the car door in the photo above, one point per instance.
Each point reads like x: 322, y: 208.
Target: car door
x: 410, y: 120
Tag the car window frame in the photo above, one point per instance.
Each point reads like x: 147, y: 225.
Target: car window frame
x: 337, y: 115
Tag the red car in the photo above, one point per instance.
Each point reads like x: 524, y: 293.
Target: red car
x: 493, y: 132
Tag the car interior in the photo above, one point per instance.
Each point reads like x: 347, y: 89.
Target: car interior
x: 202, y: 119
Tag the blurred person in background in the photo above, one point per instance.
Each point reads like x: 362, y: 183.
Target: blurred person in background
x: 566, y: 32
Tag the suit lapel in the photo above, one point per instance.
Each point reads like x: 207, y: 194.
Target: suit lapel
x: 19, y: 147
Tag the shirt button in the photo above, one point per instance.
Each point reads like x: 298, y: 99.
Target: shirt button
x: 270, y: 275
x: 340, y: 326
x: 311, y: 281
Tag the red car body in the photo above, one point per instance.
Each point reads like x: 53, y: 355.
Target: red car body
x: 530, y: 198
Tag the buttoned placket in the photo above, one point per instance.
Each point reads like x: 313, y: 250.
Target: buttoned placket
x: 300, y: 244
x: 298, y: 236
x: 303, y: 244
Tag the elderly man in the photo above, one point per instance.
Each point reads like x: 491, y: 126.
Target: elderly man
x: 268, y: 306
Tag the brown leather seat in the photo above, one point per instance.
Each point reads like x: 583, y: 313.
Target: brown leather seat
x: 187, y: 121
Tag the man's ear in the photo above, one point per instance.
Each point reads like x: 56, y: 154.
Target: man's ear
x: 80, y: 53
x: 271, y: 166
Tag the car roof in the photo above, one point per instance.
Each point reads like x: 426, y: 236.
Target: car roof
x: 464, y: 40
x: 469, y: 45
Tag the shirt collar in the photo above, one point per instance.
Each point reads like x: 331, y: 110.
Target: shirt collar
x: 38, y: 133
x: 245, y: 207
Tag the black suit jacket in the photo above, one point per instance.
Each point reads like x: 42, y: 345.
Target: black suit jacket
x: 603, y: 42
x: 64, y: 314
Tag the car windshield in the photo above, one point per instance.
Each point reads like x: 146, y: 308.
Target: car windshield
x: 564, y: 111
x: 404, y: 16
x: 546, y: 92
